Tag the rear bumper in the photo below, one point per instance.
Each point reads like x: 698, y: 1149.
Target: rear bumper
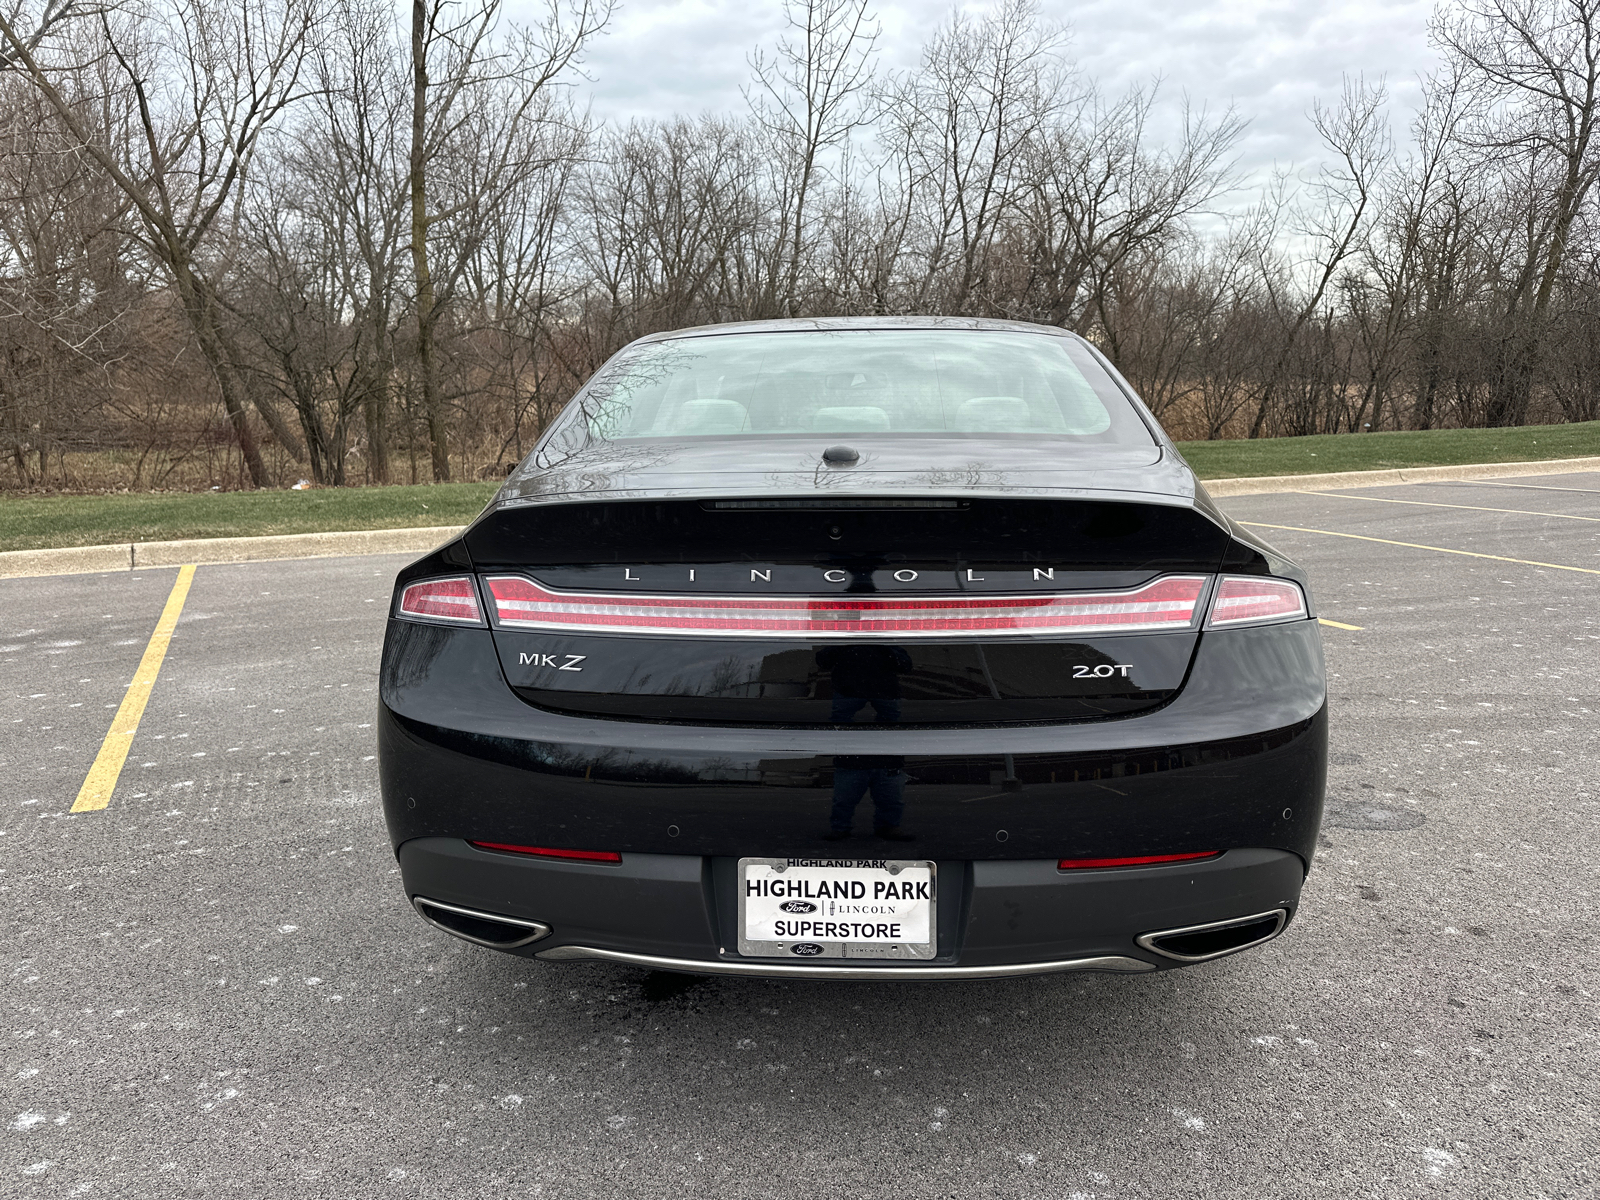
x: 1236, y: 763
x: 1237, y: 759
x: 995, y: 918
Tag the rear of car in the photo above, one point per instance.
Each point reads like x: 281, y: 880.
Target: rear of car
x: 855, y: 649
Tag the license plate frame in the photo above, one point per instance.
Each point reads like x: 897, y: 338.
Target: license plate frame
x: 911, y: 912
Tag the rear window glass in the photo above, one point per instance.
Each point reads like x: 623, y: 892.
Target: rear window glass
x: 858, y: 382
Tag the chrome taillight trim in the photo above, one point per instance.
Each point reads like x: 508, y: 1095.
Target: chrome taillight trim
x: 774, y: 608
x: 478, y: 621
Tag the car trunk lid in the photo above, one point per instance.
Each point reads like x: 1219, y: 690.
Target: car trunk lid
x: 866, y: 610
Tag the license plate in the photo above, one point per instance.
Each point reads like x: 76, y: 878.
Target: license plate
x: 836, y: 908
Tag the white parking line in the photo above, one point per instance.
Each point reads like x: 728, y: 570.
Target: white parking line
x: 1534, y: 487
x: 1522, y: 512
x: 1361, y: 537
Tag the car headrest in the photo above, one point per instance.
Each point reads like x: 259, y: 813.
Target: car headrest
x: 839, y: 418
x: 994, y: 414
x: 710, y: 416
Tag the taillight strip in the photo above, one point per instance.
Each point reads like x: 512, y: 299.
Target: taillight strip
x: 1166, y: 603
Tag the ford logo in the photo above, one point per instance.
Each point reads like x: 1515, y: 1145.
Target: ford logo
x: 798, y: 906
x: 806, y: 949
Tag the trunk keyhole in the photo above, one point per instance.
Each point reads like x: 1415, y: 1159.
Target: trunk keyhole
x: 835, y: 532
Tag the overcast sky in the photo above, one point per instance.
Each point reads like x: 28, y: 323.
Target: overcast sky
x: 1269, y: 58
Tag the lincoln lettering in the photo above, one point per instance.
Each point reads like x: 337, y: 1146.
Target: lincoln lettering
x: 760, y: 575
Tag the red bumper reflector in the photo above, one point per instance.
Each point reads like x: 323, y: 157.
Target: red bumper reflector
x: 442, y: 600
x: 1165, y: 603
x: 1143, y: 860
x: 605, y: 856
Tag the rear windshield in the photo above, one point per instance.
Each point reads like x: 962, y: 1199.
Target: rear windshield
x: 860, y: 381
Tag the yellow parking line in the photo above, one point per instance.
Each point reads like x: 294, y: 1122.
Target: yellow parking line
x: 1340, y: 625
x: 102, y: 779
x: 1520, y: 512
x: 1525, y: 562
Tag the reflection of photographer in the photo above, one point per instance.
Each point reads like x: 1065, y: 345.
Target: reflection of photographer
x: 864, y: 675
x: 854, y: 775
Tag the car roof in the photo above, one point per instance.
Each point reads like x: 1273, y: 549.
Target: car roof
x: 821, y: 324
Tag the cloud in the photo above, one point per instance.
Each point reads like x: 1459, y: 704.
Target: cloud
x: 1270, y: 59
x: 662, y: 57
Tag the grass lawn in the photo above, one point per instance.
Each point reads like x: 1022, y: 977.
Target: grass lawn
x: 1385, y: 451
x: 36, y: 522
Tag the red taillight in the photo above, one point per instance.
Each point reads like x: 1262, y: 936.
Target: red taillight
x: 1143, y: 860
x: 605, y: 856
x: 1167, y: 603
x: 1244, y: 599
x: 442, y: 600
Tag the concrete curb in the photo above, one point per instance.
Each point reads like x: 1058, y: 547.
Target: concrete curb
x: 1335, y: 481
x: 71, y: 560
x: 125, y: 556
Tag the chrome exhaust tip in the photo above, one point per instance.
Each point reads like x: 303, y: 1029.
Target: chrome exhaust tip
x: 480, y: 928
x: 1199, y: 943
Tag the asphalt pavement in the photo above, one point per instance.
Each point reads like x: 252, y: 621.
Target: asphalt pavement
x: 214, y: 986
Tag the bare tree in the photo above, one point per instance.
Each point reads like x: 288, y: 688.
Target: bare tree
x: 65, y: 307
x: 515, y: 284
x: 960, y: 126
x: 1534, y: 69
x: 1357, y: 136
x: 28, y: 38
x: 806, y: 96
x: 352, y: 164
x: 458, y: 65
x: 197, y: 88
x: 382, y: 236
x: 1098, y: 195
x: 670, y: 228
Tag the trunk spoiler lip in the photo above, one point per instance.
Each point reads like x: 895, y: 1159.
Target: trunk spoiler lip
x: 683, y: 470
x: 1142, y: 490
x: 769, y: 491
x: 1168, y: 483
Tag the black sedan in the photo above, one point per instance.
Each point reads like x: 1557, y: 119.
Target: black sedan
x: 872, y: 648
